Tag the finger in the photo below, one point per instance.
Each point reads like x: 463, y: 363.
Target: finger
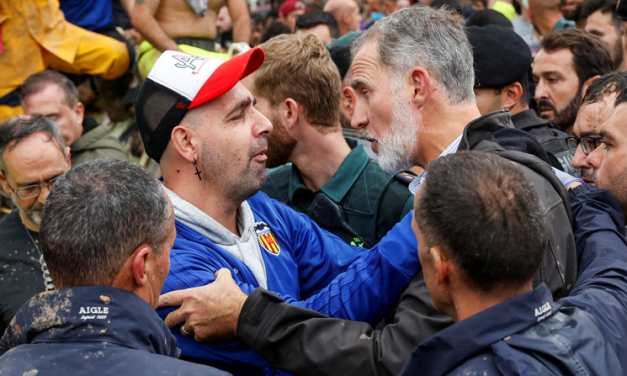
x: 173, y: 298
x: 222, y: 274
x: 175, y: 317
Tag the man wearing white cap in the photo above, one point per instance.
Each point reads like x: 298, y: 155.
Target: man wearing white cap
x: 200, y: 124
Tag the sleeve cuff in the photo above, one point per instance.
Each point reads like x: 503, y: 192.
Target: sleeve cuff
x: 254, y: 310
x: 581, y: 189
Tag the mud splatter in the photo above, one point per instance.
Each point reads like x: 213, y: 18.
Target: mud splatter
x: 18, y: 330
x: 46, y: 307
x: 105, y: 299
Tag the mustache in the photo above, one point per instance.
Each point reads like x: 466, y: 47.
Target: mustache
x: 258, y: 146
x: 548, y: 104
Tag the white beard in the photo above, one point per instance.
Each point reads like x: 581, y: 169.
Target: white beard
x: 397, y: 149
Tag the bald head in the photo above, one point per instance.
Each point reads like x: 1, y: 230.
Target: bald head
x: 346, y: 13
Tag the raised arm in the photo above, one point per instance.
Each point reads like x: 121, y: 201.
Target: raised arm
x: 238, y: 10
x: 144, y: 21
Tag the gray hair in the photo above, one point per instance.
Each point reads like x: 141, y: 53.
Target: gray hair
x: 95, y: 217
x: 13, y: 131
x: 433, y: 39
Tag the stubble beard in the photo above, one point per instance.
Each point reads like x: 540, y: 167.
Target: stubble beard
x: 218, y: 169
x: 396, y: 150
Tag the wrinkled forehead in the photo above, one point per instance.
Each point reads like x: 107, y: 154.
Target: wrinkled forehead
x: 220, y: 107
x: 366, y: 66
x: 617, y: 122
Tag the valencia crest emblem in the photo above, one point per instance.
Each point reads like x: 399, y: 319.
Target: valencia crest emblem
x: 266, y: 238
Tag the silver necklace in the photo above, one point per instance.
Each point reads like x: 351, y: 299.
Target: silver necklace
x: 44, y: 268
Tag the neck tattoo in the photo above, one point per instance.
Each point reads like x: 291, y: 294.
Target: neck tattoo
x: 44, y: 268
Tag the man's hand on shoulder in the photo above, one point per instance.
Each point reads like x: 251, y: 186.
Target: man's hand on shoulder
x: 208, y: 312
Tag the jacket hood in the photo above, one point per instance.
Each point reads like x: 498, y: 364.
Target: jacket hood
x: 90, y: 314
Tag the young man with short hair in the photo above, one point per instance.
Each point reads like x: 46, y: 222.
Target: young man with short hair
x: 601, y: 20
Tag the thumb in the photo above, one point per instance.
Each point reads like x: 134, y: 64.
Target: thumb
x: 223, y: 276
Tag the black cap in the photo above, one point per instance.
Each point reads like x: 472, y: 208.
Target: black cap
x: 341, y: 56
x: 501, y: 56
x: 621, y: 10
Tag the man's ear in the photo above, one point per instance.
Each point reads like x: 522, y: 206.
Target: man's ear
x: 588, y: 82
x: 348, y: 100
x: 421, y: 87
x: 441, y: 263
x: 511, y: 95
x: 186, y: 142
x: 79, y: 110
x: 139, y: 264
x: 5, y: 185
x: 290, y: 112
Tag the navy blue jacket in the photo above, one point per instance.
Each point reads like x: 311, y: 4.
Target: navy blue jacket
x: 582, y: 334
x: 94, y: 330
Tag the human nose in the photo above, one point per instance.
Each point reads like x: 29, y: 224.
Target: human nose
x: 263, y: 126
x: 579, y: 159
x: 360, y: 116
x: 541, y: 92
x: 596, y: 157
x: 43, y: 194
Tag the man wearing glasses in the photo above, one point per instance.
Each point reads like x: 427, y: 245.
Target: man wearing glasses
x: 32, y: 157
x: 600, y: 101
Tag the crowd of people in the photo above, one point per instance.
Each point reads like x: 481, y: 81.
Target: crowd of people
x: 313, y: 187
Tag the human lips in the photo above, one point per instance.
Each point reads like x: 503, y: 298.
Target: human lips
x: 588, y: 181
x: 261, y: 155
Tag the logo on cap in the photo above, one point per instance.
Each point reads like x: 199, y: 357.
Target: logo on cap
x: 187, y: 61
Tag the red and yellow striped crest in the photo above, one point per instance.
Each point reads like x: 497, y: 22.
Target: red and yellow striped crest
x: 266, y: 238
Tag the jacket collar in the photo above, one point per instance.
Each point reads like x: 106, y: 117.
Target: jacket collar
x: 528, y: 119
x: 89, y: 138
x: 482, y: 127
x: 90, y: 314
x: 450, y: 348
x: 343, y: 179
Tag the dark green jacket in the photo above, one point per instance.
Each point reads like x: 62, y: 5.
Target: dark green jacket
x: 372, y: 200
x: 97, y: 143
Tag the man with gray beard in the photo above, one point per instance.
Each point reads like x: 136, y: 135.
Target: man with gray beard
x: 413, y: 76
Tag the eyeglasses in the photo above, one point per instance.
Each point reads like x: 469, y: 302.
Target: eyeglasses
x: 588, y: 143
x: 32, y: 191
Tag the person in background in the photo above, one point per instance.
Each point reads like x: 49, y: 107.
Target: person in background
x: 36, y: 36
x: 567, y: 64
x: 571, y: 10
x: 524, y: 28
x: 224, y: 25
x: 54, y: 96
x: 320, y: 160
x: 275, y: 28
x: 290, y: 10
x: 256, y: 20
x: 346, y: 13
x: 319, y: 23
x: 502, y: 63
x: 184, y: 25
x: 546, y: 17
x: 106, y: 231
x: 489, y: 17
x: 32, y: 157
x: 601, y: 20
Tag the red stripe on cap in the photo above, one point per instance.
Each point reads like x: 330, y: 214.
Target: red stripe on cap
x: 228, y: 75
